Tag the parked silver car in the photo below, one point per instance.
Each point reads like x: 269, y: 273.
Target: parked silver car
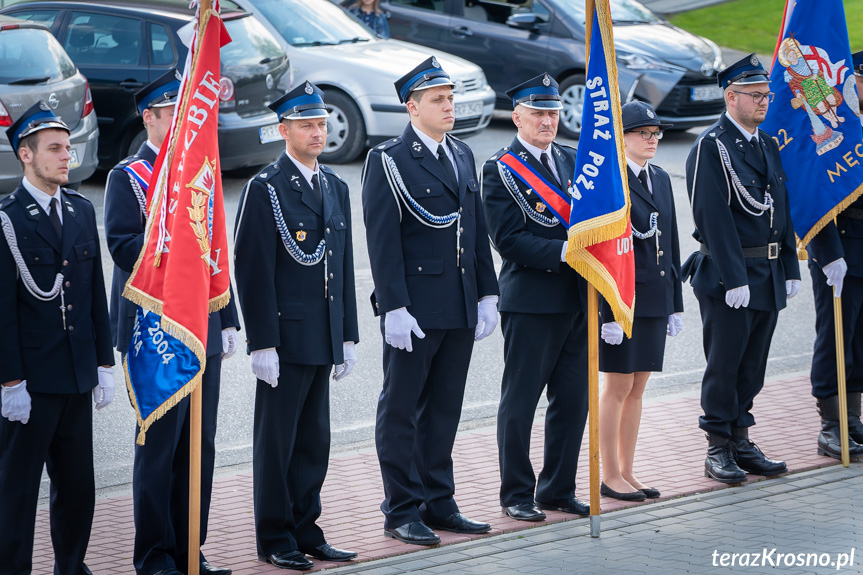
x: 356, y: 70
x: 33, y: 67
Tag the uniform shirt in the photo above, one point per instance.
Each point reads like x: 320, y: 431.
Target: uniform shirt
x: 636, y: 169
x: 304, y: 170
x: 432, y: 145
x: 43, y: 199
x: 538, y: 152
x: 743, y: 130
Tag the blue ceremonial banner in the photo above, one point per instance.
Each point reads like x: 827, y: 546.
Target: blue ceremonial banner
x: 600, y: 235
x: 156, y: 362
x: 814, y: 115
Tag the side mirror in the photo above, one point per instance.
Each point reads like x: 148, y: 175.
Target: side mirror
x: 527, y: 21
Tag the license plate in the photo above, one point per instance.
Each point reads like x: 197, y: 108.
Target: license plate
x: 74, y: 162
x: 703, y: 93
x: 270, y: 134
x: 468, y: 110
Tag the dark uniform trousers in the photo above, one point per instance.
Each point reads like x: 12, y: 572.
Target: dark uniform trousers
x: 736, y: 341
x: 544, y: 327
x: 439, y: 277
x: 843, y: 239
x: 287, y: 306
x: 60, y: 367
x: 160, y: 480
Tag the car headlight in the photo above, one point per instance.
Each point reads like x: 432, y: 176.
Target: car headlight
x: 642, y: 62
x: 718, y: 64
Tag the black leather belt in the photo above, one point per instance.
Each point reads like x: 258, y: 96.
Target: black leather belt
x: 770, y: 251
x: 853, y: 213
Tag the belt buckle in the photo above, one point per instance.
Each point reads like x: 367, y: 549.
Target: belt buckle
x: 773, y: 251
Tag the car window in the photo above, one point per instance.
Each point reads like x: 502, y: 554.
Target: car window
x: 319, y: 23
x: 433, y: 5
x: 161, y: 50
x: 103, y: 39
x: 32, y: 56
x: 490, y: 11
x: 622, y: 12
x: 250, y: 43
x: 44, y: 17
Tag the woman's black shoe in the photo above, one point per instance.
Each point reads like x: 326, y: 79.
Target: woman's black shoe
x: 607, y: 491
x: 650, y: 492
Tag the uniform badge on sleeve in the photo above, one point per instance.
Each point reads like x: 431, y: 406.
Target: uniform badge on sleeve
x: 301, y: 235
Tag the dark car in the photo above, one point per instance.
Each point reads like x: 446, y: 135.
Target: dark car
x: 124, y: 46
x: 514, y: 40
x: 34, y: 67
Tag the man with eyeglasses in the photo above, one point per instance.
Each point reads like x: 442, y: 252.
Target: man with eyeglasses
x: 745, y: 269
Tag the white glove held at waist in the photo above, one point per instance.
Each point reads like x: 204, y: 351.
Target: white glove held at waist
x: 737, y: 297
x: 675, y: 324
x: 398, y: 326
x: 486, y: 319
x: 265, y: 365
x: 103, y: 393
x: 612, y: 333
x: 16, y: 402
x: 835, y: 272
x: 230, y: 342
x: 349, y: 350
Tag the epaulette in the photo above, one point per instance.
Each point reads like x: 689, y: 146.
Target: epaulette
x: 268, y: 172
x: 387, y: 144
x: 7, y: 201
x: 497, y: 155
x: 332, y: 172
x: 71, y: 192
x: 713, y: 132
x: 454, y: 138
x: 573, y: 148
x: 122, y: 163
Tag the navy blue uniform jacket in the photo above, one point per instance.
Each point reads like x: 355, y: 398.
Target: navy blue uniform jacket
x: 124, y: 233
x: 725, y: 227
x: 413, y: 265
x: 35, y: 346
x: 843, y: 239
x: 532, y: 277
x: 284, y: 302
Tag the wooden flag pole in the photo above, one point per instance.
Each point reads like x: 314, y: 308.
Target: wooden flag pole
x: 593, y: 404
x: 840, y: 376
x: 195, y: 432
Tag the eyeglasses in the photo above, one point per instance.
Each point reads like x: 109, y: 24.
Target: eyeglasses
x: 757, y: 97
x: 646, y: 134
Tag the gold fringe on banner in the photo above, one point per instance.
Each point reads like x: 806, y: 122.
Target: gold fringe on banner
x: 825, y: 219
x: 582, y: 261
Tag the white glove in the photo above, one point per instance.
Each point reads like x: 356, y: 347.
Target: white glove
x: 230, y: 342
x: 350, y: 352
x: 103, y: 394
x: 675, y: 324
x: 612, y: 333
x: 16, y: 402
x: 265, y: 365
x: 398, y: 325
x: 791, y: 288
x: 835, y: 272
x: 563, y: 251
x: 737, y: 297
x: 486, y: 317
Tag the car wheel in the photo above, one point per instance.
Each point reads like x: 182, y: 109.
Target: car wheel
x: 572, y: 97
x: 135, y: 144
x: 346, y: 132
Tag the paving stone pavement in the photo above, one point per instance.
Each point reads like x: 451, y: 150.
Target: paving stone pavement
x: 800, y: 524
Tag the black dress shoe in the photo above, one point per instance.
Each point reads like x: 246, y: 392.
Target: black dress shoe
x: 650, y: 492
x: 415, y: 533
x: 751, y: 460
x: 720, y: 464
x: 207, y: 569
x: 607, y: 491
x: 573, y: 506
x: 290, y: 560
x: 525, y: 512
x: 170, y: 571
x: 327, y: 552
x: 458, y: 523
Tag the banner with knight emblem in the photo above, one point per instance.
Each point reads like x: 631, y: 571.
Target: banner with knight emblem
x: 182, y: 273
x: 600, y: 233
x: 814, y: 116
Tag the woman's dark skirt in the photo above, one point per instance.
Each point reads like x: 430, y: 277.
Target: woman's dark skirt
x: 643, y: 352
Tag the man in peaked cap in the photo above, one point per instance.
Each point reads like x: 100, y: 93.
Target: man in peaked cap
x: 542, y: 308
x: 295, y: 280
x: 836, y: 261
x: 160, y: 480
x: 56, y: 343
x: 745, y: 269
x: 436, y: 292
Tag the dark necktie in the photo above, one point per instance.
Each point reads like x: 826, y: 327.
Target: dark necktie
x: 316, y: 187
x: 547, y: 165
x: 642, y: 177
x: 447, y: 166
x: 55, y: 217
x: 756, y: 145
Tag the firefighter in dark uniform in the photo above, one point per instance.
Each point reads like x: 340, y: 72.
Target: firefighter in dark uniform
x: 745, y: 269
x: 56, y: 342
x: 628, y: 363
x: 542, y: 308
x: 836, y: 261
x: 160, y: 480
x: 295, y: 280
x: 436, y: 290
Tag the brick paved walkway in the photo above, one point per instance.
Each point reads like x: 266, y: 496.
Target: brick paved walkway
x: 670, y: 457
